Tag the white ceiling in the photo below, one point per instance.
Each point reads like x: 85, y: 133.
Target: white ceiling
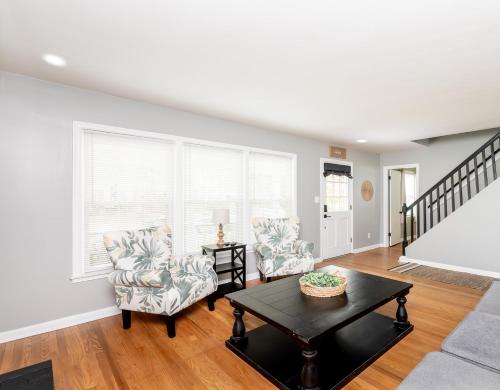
x: 388, y: 71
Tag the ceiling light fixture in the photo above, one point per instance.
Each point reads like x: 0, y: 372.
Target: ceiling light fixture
x: 361, y: 141
x: 54, y: 60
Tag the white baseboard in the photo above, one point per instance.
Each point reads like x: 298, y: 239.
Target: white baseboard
x: 252, y: 276
x: 60, y: 323
x: 449, y: 267
x: 366, y: 248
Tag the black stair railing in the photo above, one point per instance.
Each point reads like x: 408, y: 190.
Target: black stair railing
x: 452, y: 191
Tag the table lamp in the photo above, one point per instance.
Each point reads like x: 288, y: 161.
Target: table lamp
x: 220, y: 217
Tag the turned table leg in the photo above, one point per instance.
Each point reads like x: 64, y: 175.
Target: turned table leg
x: 238, y: 327
x: 401, y: 313
x: 309, y: 376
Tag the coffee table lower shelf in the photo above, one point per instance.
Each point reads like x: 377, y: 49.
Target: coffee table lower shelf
x: 341, y: 358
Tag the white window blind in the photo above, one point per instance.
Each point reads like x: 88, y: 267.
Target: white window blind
x: 128, y: 184
x: 337, y: 193
x: 270, y: 185
x: 212, y: 179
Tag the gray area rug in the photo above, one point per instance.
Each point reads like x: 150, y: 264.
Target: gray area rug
x: 442, y: 275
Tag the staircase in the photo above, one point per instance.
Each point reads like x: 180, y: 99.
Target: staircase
x: 465, y: 181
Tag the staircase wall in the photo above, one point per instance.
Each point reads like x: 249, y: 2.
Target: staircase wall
x: 468, y: 238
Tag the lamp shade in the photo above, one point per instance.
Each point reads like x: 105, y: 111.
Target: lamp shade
x: 220, y: 216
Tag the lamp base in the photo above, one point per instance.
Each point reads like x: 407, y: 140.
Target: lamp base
x: 220, y: 235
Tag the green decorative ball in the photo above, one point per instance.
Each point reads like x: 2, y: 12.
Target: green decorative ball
x: 321, y: 279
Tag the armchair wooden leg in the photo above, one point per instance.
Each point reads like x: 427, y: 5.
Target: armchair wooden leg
x: 211, y: 302
x: 261, y: 276
x: 126, y: 318
x: 170, y: 321
x: 268, y: 279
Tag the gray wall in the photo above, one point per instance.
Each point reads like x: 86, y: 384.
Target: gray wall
x: 438, y: 159
x: 36, y: 120
x: 467, y: 238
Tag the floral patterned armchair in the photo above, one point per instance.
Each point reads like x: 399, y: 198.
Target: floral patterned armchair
x: 278, y: 249
x: 147, y: 278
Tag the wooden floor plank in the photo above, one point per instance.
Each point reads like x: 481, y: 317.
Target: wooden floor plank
x: 101, y: 355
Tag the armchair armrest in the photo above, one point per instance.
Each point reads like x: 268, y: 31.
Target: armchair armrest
x: 263, y: 250
x: 191, y: 264
x: 303, y: 247
x: 140, y: 278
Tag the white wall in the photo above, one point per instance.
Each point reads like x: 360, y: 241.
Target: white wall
x: 36, y: 120
x: 470, y: 237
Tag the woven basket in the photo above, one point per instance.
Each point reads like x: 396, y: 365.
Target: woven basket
x: 324, y: 292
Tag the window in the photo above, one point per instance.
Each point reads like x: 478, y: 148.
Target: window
x: 337, y: 193
x: 270, y: 185
x: 129, y: 179
x: 212, y: 180
x: 128, y: 185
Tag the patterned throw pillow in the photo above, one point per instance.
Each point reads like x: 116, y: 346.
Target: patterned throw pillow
x: 143, y: 249
x: 277, y: 233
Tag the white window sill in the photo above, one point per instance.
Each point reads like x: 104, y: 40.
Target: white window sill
x: 101, y: 274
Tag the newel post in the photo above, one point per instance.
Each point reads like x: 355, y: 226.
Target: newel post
x: 405, y: 242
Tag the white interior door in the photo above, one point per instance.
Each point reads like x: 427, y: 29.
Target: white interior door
x: 395, y: 203
x: 336, y: 216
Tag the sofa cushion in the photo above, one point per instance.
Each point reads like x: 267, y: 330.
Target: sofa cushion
x: 476, y: 339
x: 490, y: 302
x: 142, y: 249
x: 445, y: 372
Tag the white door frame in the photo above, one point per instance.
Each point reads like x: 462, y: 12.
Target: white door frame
x: 322, y: 161
x: 385, y: 197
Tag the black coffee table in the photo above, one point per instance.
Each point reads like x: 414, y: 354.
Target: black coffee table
x: 318, y: 343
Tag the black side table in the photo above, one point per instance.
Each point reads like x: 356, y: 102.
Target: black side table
x: 237, y: 267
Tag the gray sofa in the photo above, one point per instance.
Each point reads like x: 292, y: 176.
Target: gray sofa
x: 470, y: 355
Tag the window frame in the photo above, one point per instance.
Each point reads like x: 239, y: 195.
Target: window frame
x: 78, y: 234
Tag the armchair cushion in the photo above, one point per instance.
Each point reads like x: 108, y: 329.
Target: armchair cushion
x: 144, y: 249
x: 181, y: 291
x: 303, y: 247
x: 143, y: 278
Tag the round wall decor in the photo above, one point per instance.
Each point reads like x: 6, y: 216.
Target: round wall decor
x: 367, y: 190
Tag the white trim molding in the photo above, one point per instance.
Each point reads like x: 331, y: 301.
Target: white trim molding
x: 385, y: 196
x: 322, y: 195
x: 367, y: 248
x: 450, y: 267
x: 60, y: 323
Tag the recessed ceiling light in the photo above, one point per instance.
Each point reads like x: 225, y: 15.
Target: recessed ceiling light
x: 361, y: 141
x: 54, y: 60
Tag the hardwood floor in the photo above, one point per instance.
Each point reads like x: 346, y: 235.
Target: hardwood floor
x: 101, y: 355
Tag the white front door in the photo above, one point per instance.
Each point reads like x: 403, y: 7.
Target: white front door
x: 395, y: 203
x: 336, y: 216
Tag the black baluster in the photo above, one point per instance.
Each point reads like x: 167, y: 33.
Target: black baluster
x: 476, y: 174
x: 493, y: 161
x: 411, y: 226
x: 431, y: 211
x: 485, y: 171
x: 418, y: 219
x: 468, y: 180
x: 438, y: 205
x: 425, y: 214
x: 453, y: 192
x: 460, y: 187
x: 445, y: 195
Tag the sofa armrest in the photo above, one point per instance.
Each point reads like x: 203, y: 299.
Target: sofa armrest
x: 303, y: 247
x: 140, y: 278
x: 263, y: 250
x: 191, y: 264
